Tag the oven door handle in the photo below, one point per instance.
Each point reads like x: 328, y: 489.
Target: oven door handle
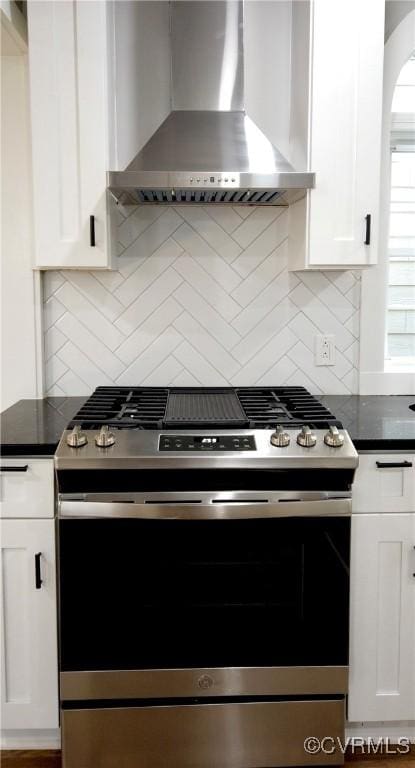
x: 331, y: 507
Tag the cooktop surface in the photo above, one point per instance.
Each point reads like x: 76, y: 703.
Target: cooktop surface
x: 202, y: 407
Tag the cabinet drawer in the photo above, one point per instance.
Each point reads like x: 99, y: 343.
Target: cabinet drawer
x: 26, y: 488
x: 385, y: 483
x: 231, y: 735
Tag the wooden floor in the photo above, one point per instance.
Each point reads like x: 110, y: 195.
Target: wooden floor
x: 37, y: 758
x: 52, y: 759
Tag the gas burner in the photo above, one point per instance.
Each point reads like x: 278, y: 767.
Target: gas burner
x: 151, y: 408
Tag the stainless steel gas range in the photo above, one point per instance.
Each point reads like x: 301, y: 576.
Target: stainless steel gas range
x: 204, y: 539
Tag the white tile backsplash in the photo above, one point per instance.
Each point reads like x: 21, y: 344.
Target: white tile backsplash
x: 202, y: 295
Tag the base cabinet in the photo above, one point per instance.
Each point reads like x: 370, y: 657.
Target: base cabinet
x: 382, y: 629
x: 29, y: 664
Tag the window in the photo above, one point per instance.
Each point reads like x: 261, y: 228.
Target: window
x: 400, y: 326
x: 385, y: 320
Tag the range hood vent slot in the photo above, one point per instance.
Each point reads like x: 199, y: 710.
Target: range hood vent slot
x: 203, y: 196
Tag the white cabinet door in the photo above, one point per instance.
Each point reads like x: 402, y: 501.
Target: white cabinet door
x: 29, y: 664
x: 382, y: 622
x: 344, y: 136
x: 68, y: 61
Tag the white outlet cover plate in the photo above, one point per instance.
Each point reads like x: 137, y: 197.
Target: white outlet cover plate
x: 325, y: 349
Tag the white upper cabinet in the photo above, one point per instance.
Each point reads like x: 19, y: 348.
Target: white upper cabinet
x: 69, y: 63
x: 336, y: 111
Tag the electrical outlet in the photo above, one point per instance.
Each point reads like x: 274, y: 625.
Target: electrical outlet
x: 325, y: 349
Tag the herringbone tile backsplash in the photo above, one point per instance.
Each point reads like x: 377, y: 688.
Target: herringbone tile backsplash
x: 202, y: 295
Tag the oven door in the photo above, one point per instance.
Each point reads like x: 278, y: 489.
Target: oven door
x: 198, y: 597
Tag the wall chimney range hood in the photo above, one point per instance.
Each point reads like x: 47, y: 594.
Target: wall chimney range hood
x: 208, y: 149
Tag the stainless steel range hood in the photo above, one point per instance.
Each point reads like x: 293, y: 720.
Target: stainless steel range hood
x: 208, y: 150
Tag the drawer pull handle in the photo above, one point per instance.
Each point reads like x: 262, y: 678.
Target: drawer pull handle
x: 368, y: 219
x: 393, y: 464
x: 23, y: 468
x: 92, y: 231
x: 38, y: 573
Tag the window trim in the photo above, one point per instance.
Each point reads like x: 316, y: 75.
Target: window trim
x: 403, y: 255
x: 377, y: 377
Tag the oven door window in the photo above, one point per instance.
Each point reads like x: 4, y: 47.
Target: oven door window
x: 138, y: 594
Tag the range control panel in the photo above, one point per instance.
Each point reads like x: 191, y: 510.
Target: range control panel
x: 207, y: 443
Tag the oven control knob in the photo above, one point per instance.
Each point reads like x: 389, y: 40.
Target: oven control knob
x: 333, y: 438
x: 280, y: 438
x: 306, y: 438
x: 105, y: 438
x: 77, y: 438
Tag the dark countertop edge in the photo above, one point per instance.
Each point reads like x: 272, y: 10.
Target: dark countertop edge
x: 23, y: 450
x: 402, y: 446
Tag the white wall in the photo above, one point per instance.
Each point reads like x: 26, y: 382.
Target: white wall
x: 19, y: 350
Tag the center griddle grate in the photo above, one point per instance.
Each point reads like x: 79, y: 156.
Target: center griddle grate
x: 201, y: 408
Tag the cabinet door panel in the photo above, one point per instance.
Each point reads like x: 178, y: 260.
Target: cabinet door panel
x: 29, y: 664
x: 69, y: 118
x: 345, y: 129
x: 382, y: 651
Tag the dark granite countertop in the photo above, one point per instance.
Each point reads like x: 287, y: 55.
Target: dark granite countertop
x: 34, y: 427
x: 376, y: 422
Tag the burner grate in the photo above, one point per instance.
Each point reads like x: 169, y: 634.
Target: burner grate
x: 123, y: 407
x: 268, y: 407
x: 202, y: 407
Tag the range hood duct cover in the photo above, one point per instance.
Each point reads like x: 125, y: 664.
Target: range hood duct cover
x: 208, y: 150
